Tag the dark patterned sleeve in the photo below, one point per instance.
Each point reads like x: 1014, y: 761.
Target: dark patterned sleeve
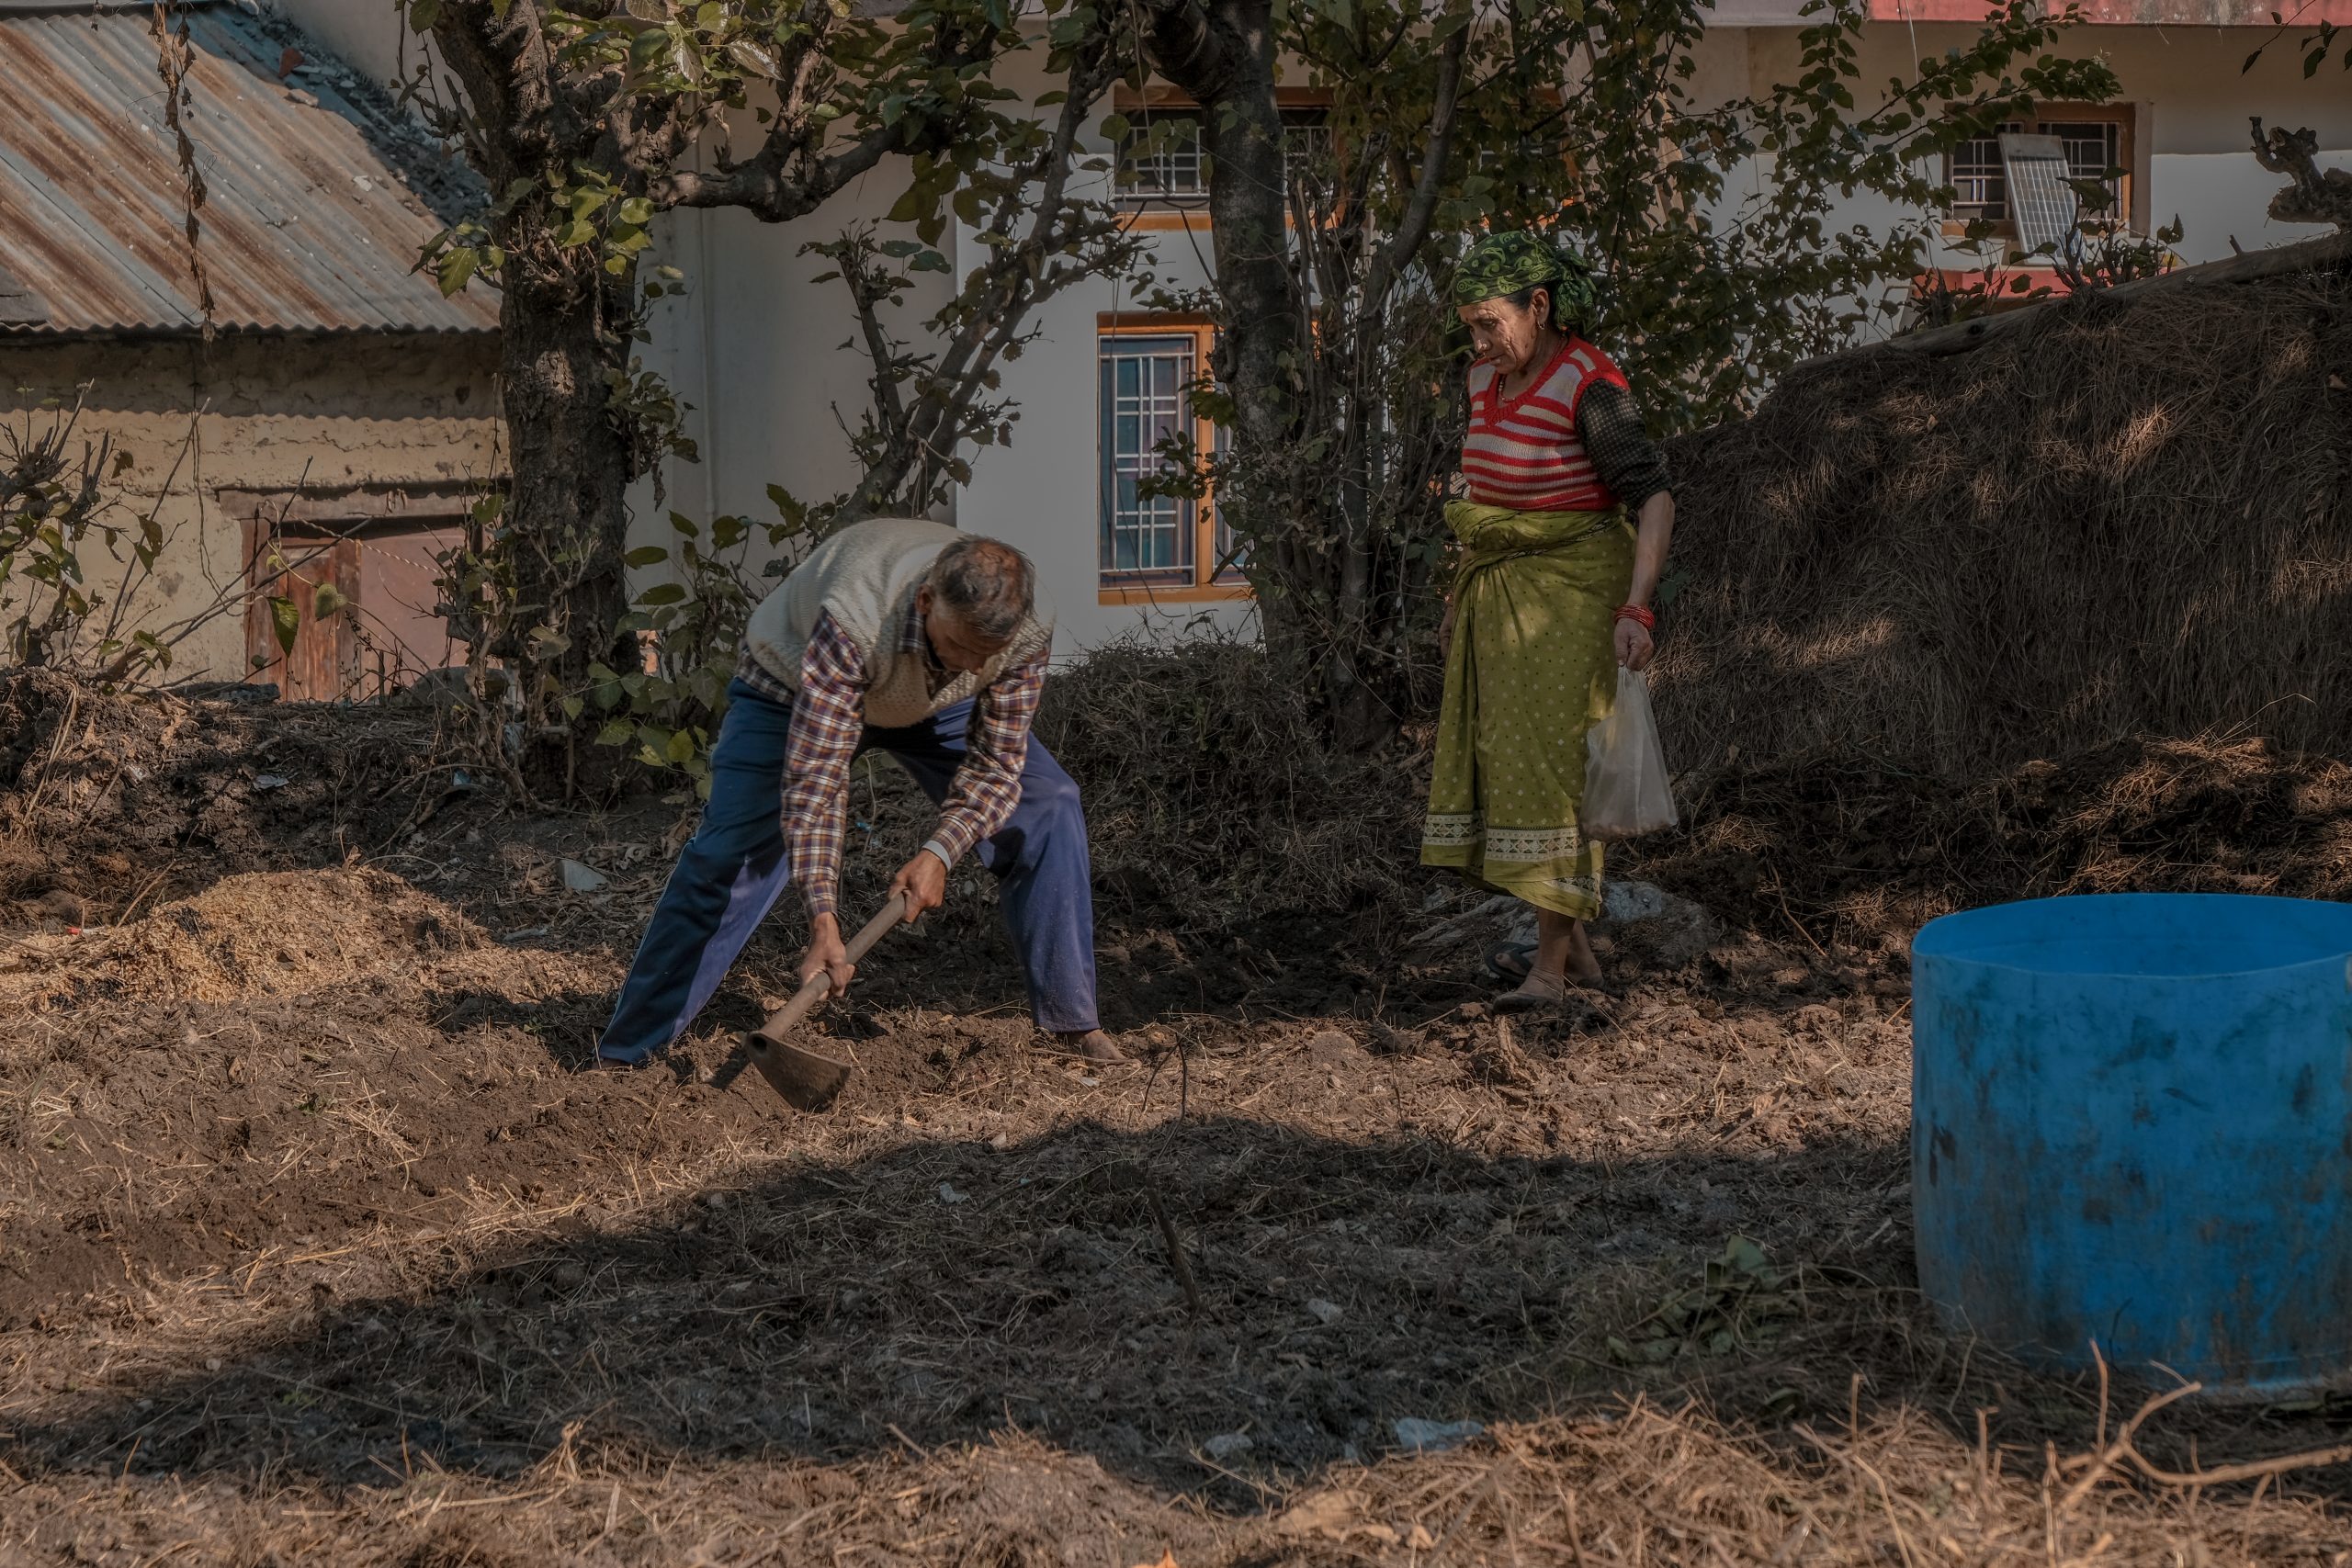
x: 1624, y: 457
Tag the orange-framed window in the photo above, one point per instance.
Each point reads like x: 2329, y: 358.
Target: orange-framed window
x: 2099, y: 139
x: 1154, y: 546
x: 1162, y: 163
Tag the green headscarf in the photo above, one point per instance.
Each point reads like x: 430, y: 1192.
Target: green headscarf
x: 1502, y: 265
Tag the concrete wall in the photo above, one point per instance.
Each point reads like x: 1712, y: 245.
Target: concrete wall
x: 278, y: 415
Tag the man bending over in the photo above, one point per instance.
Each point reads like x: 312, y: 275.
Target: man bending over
x: 908, y: 638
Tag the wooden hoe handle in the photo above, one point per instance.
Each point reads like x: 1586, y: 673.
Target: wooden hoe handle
x: 819, y: 986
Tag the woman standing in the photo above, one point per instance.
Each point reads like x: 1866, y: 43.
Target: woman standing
x: 1550, y: 596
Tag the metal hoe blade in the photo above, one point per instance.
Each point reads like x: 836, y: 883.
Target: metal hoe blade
x: 808, y: 1079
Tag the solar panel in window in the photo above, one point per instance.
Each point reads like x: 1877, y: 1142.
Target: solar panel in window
x: 2039, y: 198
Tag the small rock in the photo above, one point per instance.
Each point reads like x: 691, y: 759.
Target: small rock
x: 1001, y: 1142
x: 1632, y: 901
x: 530, y: 933
x: 211, y: 1363
x: 1227, y: 1445
x: 1326, y: 1312
x: 581, y: 878
x: 1416, y: 1436
x: 270, y: 781
x: 1674, y: 931
x: 947, y: 1194
x: 1329, y: 1045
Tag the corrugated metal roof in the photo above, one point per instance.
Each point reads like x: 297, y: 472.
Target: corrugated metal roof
x: 306, y: 225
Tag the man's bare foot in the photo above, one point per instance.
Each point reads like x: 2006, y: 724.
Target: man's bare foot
x: 1092, y: 1044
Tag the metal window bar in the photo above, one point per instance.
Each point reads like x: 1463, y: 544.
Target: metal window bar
x: 1143, y: 404
x: 1974, y: 171
x: 1160, y: 156
x: 2094, y: 151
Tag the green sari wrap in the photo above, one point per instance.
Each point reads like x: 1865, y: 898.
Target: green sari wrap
x: 1534, y: 665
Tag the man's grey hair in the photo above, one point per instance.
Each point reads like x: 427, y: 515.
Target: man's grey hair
x: 988, y: 584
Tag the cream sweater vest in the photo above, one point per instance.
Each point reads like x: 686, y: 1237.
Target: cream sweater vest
x: 865, y: 577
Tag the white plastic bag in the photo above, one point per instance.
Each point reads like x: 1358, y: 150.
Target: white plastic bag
x: 1627, y: 793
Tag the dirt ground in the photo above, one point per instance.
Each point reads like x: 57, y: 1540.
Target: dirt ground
x: 318, y: 1246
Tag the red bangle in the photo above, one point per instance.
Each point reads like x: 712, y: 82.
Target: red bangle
x: 1648, y: 618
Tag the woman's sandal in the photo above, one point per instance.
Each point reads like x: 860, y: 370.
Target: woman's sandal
x: 1511, y: 962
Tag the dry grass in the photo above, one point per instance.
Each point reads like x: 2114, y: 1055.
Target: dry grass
x: 2130, y: 518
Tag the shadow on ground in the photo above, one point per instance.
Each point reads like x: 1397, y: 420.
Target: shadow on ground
x: 948, y: 1289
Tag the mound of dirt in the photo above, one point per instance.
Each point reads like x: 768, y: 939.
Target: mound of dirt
x: 1871, y: 852
x: 263, y: 934
x: 115, y: 800
x: 2054, y: 541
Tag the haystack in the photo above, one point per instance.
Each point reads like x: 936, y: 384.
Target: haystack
x: 2119, y: 515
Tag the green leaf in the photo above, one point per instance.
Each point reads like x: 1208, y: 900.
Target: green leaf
x: 794, y: 511
x: 326, y: 600
x: 423, y: 14
x: 457, y: 266
x: 286, y: 619
x: 646, y: 555
x: 662, y: 594
x: 636, y: 209
x: 750, y: 58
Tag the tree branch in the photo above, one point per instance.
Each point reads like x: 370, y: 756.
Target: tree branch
x: 1413, y: 226
x: 2317, y: 195
x: 785, y: 179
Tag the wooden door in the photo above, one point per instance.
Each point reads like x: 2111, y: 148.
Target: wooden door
x: 384, y: 632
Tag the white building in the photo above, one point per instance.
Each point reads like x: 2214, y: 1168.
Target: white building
x: 763, y: 353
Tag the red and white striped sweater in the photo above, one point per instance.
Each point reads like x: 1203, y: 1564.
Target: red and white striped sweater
x: 1524, y: 452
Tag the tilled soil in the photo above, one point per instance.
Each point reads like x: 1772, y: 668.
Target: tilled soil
x: 317, y: 1245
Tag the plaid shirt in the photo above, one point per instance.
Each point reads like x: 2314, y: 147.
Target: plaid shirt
x: 829, y: 717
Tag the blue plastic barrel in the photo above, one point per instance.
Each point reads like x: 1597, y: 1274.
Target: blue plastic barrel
x: 2131, y: 1125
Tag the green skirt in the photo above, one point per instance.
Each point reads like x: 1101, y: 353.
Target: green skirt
x: 1534, y: 666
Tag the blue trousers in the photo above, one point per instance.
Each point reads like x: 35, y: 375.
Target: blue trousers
x: 733, y: 868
